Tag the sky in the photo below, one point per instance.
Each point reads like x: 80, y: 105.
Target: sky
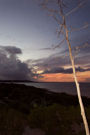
x: 29, y: 43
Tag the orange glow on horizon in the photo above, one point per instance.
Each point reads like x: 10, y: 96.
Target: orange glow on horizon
x: 61, y: 77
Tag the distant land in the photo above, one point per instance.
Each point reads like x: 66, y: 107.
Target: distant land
x: 28, y: 81
x: 16, y: 81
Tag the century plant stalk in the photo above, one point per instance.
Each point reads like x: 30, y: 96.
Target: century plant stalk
x: 64, y: 26
x: 74, y: 70
x: 76, y: 81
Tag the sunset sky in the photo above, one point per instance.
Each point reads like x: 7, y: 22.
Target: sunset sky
x: 28, y: 36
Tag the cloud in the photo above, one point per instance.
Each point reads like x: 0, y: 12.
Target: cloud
x: 58, y: 61
x: 65, y: 71
x: 57, y: 70
x: 13, y: 50
x: 50, y: 62
x: 11, y: 68
x: 57, y: 64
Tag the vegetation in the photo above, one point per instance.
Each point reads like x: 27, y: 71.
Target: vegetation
x: 51, y: 112
x: 12, y: 122
x: 58, y: 120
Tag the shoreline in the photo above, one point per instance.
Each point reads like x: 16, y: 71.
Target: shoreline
x: 22, y: 93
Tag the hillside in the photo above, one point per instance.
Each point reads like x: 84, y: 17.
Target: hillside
x: 52, y: 113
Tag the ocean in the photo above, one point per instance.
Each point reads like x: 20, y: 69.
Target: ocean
x: 59, y: 87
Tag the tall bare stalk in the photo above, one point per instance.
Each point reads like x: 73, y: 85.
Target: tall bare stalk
x: 74, y: 70
x: 77, y: 84
x: 64, y: 25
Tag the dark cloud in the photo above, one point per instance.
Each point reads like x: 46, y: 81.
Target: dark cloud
x: 59, y: 61
x: 11, y: 68
x: 57, y: 64
x: 50, y: 62
x: 13, y: 50
x: 65, y: 71
x: 81, y: 53
x: 57, y: 70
